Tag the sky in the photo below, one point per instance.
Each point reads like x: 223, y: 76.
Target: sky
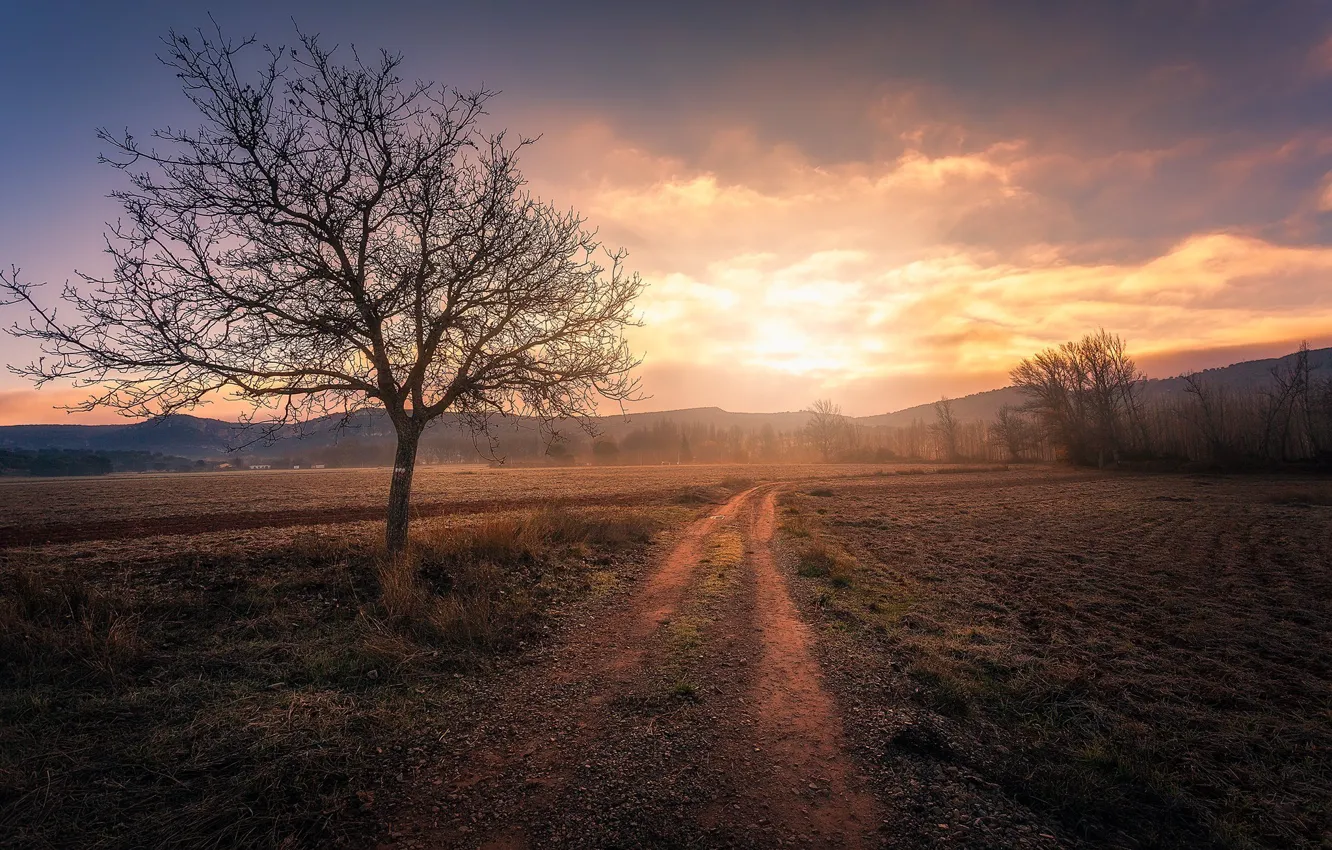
x: 878, y: 203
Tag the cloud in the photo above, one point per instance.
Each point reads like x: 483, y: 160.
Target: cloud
x: 866, y: 273
x: 885, y: 204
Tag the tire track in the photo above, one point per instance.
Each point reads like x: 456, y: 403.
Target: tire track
x: 518, y: 769
x: 583, y: 752
x: 804, y: 782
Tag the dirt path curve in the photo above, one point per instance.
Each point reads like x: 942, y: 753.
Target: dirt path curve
x: 692, y: 714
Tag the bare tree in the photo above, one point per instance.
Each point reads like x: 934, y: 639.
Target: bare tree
x: 1014, y: 431
x: 826, y: 427
x: 1085, y: 395
x: 945, y: 428
x: 329, y: 240
x: 1209, y: 413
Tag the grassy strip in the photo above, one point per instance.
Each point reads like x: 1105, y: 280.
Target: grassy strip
x: 686, y: 633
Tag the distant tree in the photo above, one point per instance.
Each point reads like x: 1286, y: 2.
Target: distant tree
x: 1013, y: 431
x: 605, y: 450
x: 1288, y: 395
x: 1085, y: 395
x: 826, y: 427
x: 1208, y: 413
x: 331, y: 239
x: 768, y: 446
x: 945, y: 428
x: 558, y: 449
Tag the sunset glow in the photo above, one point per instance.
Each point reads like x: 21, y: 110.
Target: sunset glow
x: 825, y: 210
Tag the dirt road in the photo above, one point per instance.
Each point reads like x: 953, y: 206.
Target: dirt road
x: 693, y: 713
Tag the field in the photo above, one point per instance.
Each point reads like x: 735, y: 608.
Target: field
x: 119, y: 507
x: 1145, y: 660
x: 665, y: 656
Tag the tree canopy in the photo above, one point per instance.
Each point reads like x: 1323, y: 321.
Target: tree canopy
x: 330, y: 239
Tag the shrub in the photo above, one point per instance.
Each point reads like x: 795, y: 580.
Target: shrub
x: 817, y: 559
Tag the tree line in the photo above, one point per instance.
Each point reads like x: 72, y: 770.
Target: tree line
x: 60, y: 462
x: 1085, y: 403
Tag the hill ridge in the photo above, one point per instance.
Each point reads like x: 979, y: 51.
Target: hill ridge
x: 193, y: 436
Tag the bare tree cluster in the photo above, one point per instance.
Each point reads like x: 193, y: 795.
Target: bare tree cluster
x: 332, y: 239
x: 1287, y: 419
x: 827, y: 428
x: 1085, y: 395
x: 1015, y: 432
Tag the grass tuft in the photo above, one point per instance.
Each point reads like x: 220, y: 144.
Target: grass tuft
x: 48, y: 620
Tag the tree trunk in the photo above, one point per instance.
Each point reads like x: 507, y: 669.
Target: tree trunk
x: 400, y: 491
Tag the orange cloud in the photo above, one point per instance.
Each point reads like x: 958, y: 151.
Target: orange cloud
x: 829, y: 277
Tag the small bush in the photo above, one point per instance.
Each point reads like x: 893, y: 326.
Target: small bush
x: 818, y: 560
x: 822, y: 492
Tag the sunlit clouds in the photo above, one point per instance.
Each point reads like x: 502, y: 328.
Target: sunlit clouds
x: 838, y: 277
x: 884, y: 204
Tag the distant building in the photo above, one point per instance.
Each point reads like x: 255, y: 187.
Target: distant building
x: 261, y: 466
x: 318, y: 465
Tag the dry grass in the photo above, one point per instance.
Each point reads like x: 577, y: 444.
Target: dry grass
x: 265, y: 699
x: 1146, y: 658
x: 65, y: 621
x: 472, y: 584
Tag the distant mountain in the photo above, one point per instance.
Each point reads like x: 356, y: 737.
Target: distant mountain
x: 1249, y: 373
x: 370, y: 439
x: 967, y: 408
x: 197, y: 437
x: 187, y: 436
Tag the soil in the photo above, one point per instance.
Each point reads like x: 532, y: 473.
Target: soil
x: 633, y: 735
x: 39, y: 534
